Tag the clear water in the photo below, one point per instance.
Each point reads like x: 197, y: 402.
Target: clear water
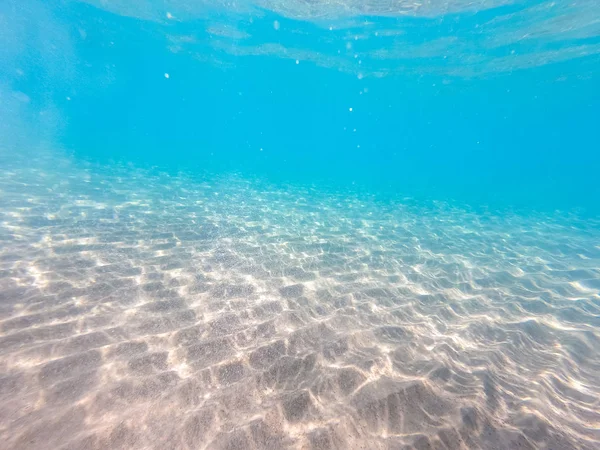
x: 306, y: 225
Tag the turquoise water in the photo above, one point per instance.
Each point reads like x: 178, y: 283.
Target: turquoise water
x: 264, y: 224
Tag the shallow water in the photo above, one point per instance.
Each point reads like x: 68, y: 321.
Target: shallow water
x: 303, y: 225
x: 148, y: 311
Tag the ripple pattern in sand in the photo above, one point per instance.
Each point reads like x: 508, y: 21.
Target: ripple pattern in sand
x: 139, y: 310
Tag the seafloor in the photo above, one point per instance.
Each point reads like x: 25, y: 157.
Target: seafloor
x: 141, y: 310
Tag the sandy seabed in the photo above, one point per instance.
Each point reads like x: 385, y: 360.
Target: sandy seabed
x: 140, y: 310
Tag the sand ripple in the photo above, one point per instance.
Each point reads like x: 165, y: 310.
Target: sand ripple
x: 139, y: 310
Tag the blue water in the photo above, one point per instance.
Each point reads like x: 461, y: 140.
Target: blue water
x: 299, y: 224
x: 436, y: 123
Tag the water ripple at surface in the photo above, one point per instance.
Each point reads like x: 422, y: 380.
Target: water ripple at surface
x: 376, y: 38
x: 141, y: 310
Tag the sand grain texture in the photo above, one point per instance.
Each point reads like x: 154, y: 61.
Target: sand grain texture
x: 139, y: 310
